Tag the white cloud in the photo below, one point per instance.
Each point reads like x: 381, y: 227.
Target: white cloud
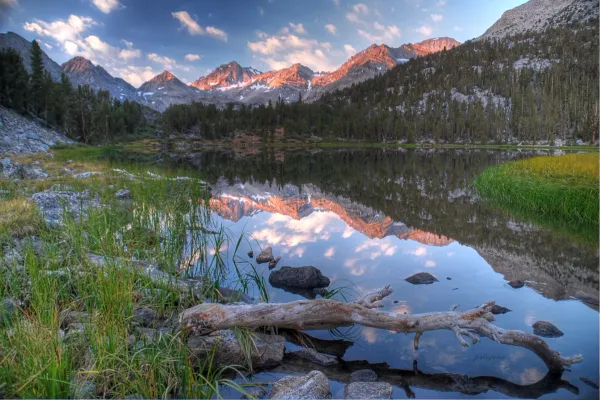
x: 298, y: 28
x: 330, y: 28
x: 129, y: 54
x: 430, y: 264
x: 192, y: 57
x: 49, y: 46
x: 127, y: 43
x: 194, y: 28
x: 350, y: 51
x: 384, y: 34
x: 457, y: 28
x: 71, y: 48
x: 106, y: 6
x: 167, y: 62
x: 436, y: 17
x: 61, y: 30
x: 136, y: 75
x: 261, y: 11
x: 329, y: 253
x: 440, y: 3
x: 424, y: 30
x: 358, y: 10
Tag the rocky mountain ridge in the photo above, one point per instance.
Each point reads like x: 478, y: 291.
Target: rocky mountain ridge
x: 226, y: 76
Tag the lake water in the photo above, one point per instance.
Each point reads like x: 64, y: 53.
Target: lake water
x: 369, y: 218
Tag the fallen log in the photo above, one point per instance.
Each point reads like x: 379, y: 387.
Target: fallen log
x: 327, y: 314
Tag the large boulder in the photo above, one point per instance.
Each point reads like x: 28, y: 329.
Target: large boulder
x: 14, y: 170
x: 266, y: 351
x: 313, y: 385
x: 307, y: 277
x: 368, y: 390
x: 56, y: 205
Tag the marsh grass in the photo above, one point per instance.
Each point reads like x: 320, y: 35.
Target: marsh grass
x: 560, y: 191
x: 164, y: 222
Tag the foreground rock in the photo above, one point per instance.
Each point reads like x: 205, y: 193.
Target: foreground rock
x: 313, y: 385
x: 14, y: 170
x: 368, y: 390
x: 55, y: 206
x: 421, y: 278
x: 265, y: 256
x: 363, y: 375
x: 19, y: 135
x: 307, y: 277
x: 316, y: 357
x: 268, y: 351
x: 496, y: 309
x: 546, y: 329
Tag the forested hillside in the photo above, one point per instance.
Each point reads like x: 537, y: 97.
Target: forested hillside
x: 81, y: 113
x: 526, y: 88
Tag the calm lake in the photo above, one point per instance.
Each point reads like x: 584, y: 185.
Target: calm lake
x: 369, y: 218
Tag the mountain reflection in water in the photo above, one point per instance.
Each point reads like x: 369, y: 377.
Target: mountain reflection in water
x: 373, y: 217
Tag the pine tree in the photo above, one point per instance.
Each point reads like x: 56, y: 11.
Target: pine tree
x: 36, y: 81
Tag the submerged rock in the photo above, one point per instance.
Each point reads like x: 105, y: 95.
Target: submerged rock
x: 421, y: 278
x: 234, y: 296
x: 267, y: 350
x: 254, y: 393
x: 265, y: 256
x: 316, y: 357
x: 307, y: 277
x: 54, y: 205
x: 313, y: 385
x: 546, y: 329
x: 368, y: 390
x: 363, y: 375
x: 496, y: 309
x: 516, y: 284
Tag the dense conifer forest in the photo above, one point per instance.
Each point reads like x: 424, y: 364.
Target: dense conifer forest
x: 525, y: 88
x: 81, y: 113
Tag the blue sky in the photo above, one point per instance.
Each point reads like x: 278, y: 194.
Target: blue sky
x: 137, y: 39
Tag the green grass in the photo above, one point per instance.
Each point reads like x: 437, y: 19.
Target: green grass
x: 166, y: 223
x: 560, y: 191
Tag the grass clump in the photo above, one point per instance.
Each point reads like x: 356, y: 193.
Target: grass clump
x: 560, y: 190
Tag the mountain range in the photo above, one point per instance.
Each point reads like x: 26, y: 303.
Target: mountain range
x: 232, y: 83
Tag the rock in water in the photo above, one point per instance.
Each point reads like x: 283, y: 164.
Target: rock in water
x: 273, y: 263
x: 363, y: 375
x: 546, y: 329
x: 316, y: 357
x: 54, y: 205
x: 265, y: 256
x: 267, y: 350
x: 307, y: 277
x: 516, y: 284
x: 496, y: 309
x: 368, y: 390
x: 313, y: 385
x: 421, y: 278
x: 250, y: 254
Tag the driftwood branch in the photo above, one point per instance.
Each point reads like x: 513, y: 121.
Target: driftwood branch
x: 408, y: 379
x: 326, y: 314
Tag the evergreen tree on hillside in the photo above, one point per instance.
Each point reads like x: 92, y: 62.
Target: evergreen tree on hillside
x: 13, y: 81
x: 37, y: 79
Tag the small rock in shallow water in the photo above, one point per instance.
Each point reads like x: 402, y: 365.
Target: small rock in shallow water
x: 313, y: 385
x: 273, y: 264
x: 496, y: 309
x: 307, y: 277
x: 316, y: 357
x: 546, y: 329
x: 363, y: 375
x: 448, y: 278
x: 250, y: 254
x: 589, y: 382
x: 396, y: 302
x: 265, y: 256
x: 368, y: 390
x: 421, y: 278
x: 254, y: 393
x: 516, y: 284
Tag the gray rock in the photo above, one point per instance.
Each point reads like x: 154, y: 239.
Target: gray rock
x: 234, y: 296
x: 316, y: 357
x: 67, y: 171
x: 8, y: 308
x: 151, y: 334
x: 421, y: 278
x: 85, y: 175
x: 313, y: 385
x: 273, y: 264
x: 307, y: 277
x: 145, y: 316
x: 254, y: 393
x: 267, y: 352
x: 265, y: 256
x: 516, y: 284
x: 123, y: 194
x: 14, y: 170
x: 496, y: 309
x: 82, y: 389
x: 363, y: 375
x: 546, y: 329
x: 250, y: 254
x: 55, y: 205
x: 368, y: 390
